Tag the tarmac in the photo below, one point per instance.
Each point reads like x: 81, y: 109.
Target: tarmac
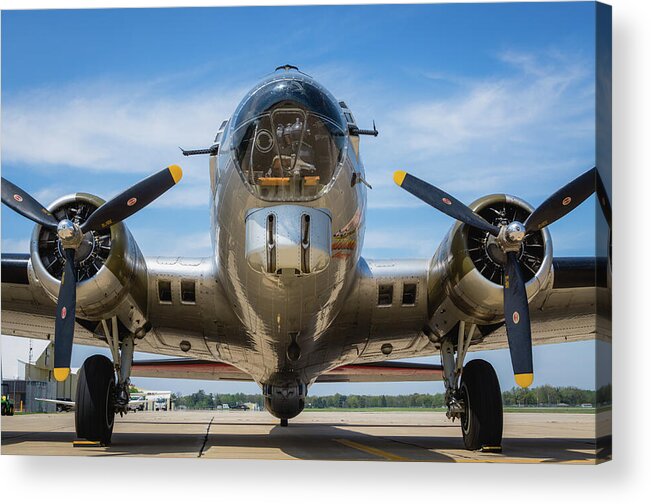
x: 376, y: 436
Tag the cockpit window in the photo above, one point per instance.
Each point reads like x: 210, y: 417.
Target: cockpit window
x: 288, y: 139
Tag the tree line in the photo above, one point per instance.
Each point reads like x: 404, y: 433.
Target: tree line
x: 207, y: 401
x: 545, y: 395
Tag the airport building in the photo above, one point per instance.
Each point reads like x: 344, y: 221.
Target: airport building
x: 24, y: 392
x: 39, y: 383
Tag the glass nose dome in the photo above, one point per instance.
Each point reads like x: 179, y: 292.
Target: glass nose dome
x: 288, y: 138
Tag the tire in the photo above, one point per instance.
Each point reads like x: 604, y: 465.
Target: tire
x: 11, y: 410
x: 95, y: 411
x: 482, y: 420
x: 2, y: 410
x: 284, y: 422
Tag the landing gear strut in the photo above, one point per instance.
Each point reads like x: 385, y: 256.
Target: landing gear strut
x: 122, y: 353
x: 103, y: 387
x: 472, y: 394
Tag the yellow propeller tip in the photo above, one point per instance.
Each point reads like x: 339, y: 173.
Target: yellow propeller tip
x: 176, y: 172
x: 399, y: 176
x: 60, y: 374
x: 524, y: 380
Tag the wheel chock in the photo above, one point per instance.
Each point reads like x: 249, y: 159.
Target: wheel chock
x: 491, y: 449
x: 84, y: 443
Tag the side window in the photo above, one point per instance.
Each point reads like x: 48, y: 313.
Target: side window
x: 165, y: 291
x: 409, y: 294
x: 385, y: 295
x: 188, y: 294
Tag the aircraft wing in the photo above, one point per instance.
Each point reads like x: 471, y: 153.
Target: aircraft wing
x: 387, y: 371
x: 567, y: 313
x: 209, y: 370
x: 69, y: 404
x: 189, y: 369
x: 72, y: 404
x: 27, y: 311
x: 563, y: 313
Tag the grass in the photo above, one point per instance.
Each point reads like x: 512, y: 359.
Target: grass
x: 370, y: 410
x: 507, y: 409
x: 19, y: 413
x: 551, y: 409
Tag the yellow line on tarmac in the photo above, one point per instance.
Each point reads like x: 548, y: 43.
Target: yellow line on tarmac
x: 371, y: 450
x: 513, y: 460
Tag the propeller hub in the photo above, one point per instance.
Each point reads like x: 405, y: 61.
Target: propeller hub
x: 69, y: 233
x: 493, y: 249
x: 511, y: 236
x: 515, y: 232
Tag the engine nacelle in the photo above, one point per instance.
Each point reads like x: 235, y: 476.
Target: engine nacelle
x: 111, y: 270
x: 466, y: 272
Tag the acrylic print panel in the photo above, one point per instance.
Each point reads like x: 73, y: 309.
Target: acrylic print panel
x: 379, y: 241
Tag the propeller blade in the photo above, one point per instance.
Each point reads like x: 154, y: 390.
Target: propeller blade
x: 442, y: 201
x: 64, y: 327
x: 518, y: 324
x: 604, y: 200
x: 20, y: 201
x: 133, y: 199
x: 562, y: 201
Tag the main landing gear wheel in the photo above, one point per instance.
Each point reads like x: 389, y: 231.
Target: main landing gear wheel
x: 284, y: 422
x: 95, y: 405
x: 481, y: 420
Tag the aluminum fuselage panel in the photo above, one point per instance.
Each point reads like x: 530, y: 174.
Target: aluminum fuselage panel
x: 276, y: 309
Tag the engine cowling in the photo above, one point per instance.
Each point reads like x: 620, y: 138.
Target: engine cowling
x: 467, y: 274
x: 111, y: 270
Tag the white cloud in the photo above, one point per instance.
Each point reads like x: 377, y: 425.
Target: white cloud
x: 525, y: 130
x: 16, y: 245
x: 188, y: 195
x: 14, y: 350
x: 502, y: 110
x: 110, y: 128
x: 171, y: 243
x: 394, y: 242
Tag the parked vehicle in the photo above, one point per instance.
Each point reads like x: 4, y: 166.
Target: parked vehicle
x: 7, y: 407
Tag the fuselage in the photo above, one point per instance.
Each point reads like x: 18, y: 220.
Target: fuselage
x: 286, y: 175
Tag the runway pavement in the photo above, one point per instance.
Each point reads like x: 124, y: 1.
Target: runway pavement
x: 401, y: 436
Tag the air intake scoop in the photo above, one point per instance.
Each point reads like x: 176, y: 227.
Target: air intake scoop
x: 288, y: 239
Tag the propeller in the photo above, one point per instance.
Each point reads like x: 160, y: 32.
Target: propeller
x: 509, y: 238
x: 516, y: 318
x: 443, y: 201
x: 133, y: 199
x: 70, y: 234
x: 562, y: 201
x: 21, y: 202
x: 64, y: 326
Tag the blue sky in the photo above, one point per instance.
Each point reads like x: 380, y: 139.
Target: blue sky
x: 473, y: 98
